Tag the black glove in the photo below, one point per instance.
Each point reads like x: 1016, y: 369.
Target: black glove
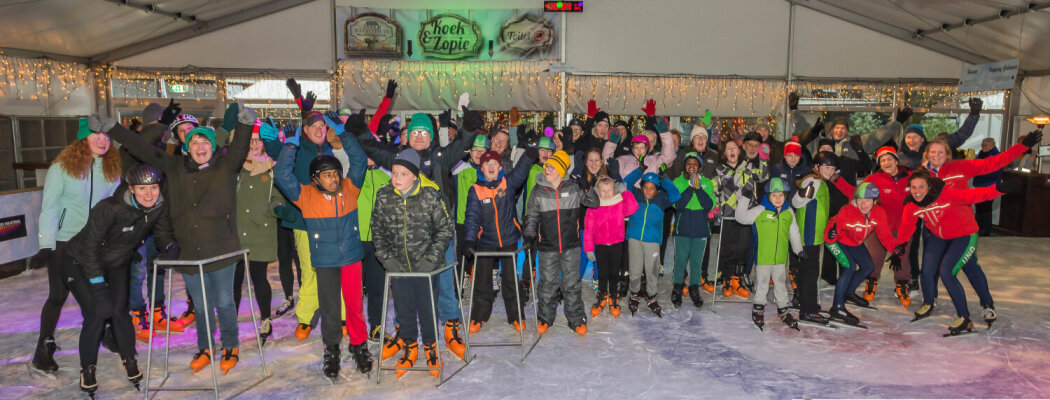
x: 384, y: 123
x: 289, y: 130
x: 42, y: 258
x: 469, y: 247
x: 613, y: 166
x: 976, y: 105
x: 445, y: 118
x: 533, y: 154
x: 903, y: 114
x: 650, y: 124
x: 391, y: 86
x: 793, y: 101
x: 171, y: 252
x: 309, y: 100
x: 332, y: 115
x: 170, y: 113
x: 900, y: 249
x: 103, y: 298
x: 833, y: 233
x: 802, y: 256
x: 818, y: 127
x: 472, y: 120
x: 523, y: 138
x: 531, y: 243
x: 294, y: 87
x: 355, y: 124
x: 1033, y: 138
x: 1009, y: 186
x: 747, y: 191
x: 857, y: 143
x: 895, y: 262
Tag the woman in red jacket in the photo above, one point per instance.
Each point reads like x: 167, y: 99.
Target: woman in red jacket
x: 951, y: 243
x: 957, y: 174
x: 845, y: 235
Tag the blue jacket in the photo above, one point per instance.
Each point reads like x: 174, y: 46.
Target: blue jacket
x: 490, y: 219
x: 690, y: 222
x: 790, y: 175
x: 647, y: 224
x: 292, y: 217
x: 331, y: 222
x: 988, y: 179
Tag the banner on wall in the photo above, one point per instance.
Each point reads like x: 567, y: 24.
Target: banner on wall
x: 443, y: 35
x: 19, y: 212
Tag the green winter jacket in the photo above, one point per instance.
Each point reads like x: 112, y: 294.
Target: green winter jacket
x: 811, y: 215
x: 466, y: 175
x: 375, y: 178
x: 256, y: 199
x: 411, y: 230
x: 67, y: 200
x: 777, y: 232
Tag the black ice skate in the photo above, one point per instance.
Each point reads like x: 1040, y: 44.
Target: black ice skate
x: 44, y: 357
x: 131, y: 367
x: 654, y: 306
x: 858, y: 301
x: 676, y: 295
x: 758, y: 316
x: 362, y: 357
x: 960, y: 327
x: 923, y: 312
x: 88, y: 383
x: 815, y: 319
x: 633, y: 304
x: 694, y: 295
x: 787, y: 318
x: 331, y: 362
x: 840, y: 316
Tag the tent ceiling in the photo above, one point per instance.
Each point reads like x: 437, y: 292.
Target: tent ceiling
x: 102, y: 29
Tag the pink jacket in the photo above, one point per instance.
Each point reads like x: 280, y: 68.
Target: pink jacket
x: 604, y: 225
x: 628, y: 163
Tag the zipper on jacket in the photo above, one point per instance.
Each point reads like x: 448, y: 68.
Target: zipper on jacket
x: 404, y: 232
x: 557, y: 211
x: 645, y: 218
x: 495, y: 215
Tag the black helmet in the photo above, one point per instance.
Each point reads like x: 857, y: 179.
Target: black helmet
x: 143, y: 174
x: 826, y: 158
x: 325, y: 163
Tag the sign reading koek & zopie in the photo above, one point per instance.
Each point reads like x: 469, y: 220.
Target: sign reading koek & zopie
x: 449, y: 36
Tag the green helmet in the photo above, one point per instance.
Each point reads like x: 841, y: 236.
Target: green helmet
x: 866, y: 190
x: 777, y: 185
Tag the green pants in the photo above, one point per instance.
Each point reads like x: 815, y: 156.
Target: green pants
x: 688, y: 250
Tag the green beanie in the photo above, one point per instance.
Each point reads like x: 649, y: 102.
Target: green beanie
x: 204, y: 131
x: 421, y: 121
x: 545, y: 143
x: 82, y: 129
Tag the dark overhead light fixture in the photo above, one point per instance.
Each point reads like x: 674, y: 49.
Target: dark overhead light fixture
x: 149, y: 8
x: 192, y: 19
x: 1004, y: 13
x: 968, y: 22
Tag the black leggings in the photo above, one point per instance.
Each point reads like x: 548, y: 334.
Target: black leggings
x: 263, y: 291
x: 57, y: 293
x: 608, y: 265
x: 96, y: 314
x: 737, y: 242
x: 286, y: 254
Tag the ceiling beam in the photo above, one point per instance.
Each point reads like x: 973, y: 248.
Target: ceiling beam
x: 13, y: 52
x: 197, y: 29
x: 876, y: 25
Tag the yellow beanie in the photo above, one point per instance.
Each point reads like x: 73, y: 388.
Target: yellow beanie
x: 560, y: 162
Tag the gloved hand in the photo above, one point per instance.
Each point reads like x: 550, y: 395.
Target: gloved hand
x: 332, y: 115
x: 247, y: 116
x: 295, y: 88
x: 592, y: 108
x: 533, y: 154
x: 811, y: 182
x: 391, y: 87
x: 309, y: 100
x: 1009, y: 185
x: 170, y: 112
x: 531, y: 243
x: 590, y: 256
x: 895, y: 262
x: 229, y: 119
x: 1033, y: 138
x: 356, y: 125
x: 101, y: 121
x: 288, y: 130
x: 818, y: 127
x: 763, y: 151
x: 694, y: 181
x: 793, y: 101
x: 515, y: 117
x: 469, y: 247
x: 103, y: 298
x: 857, y: 143
x: 445, y: 118
x: 472, y: 120
x: 650, y: 108
x: 613, y: 166
x: 833, y: 233
x: 900, y: 249
x: 268, y: 132
x: 976, y: 105
x: 171, y: 252
x: 42, y: 259
x: 903, y: 114
x: 802, y: 256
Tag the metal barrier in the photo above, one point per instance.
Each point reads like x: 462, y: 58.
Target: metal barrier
x: 207, y: 325
x: 433, y: 310
x: 513, y: 255
x: 718, y: 266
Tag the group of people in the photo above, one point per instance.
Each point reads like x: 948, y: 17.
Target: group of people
x: 345, y: 198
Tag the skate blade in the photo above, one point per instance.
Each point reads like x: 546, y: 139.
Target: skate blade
x: 961, y: 334
x: 845, y: 325
x: 916, y: 319
x: 760, y: 327
x: 814, y: 324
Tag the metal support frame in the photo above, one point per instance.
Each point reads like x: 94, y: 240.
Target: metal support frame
x: 718, y: 267
x: 513, y: 255
x: 429, y: 276
x: 207, y: 325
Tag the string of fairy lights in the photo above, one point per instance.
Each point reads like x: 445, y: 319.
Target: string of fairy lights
x: 42, y: 78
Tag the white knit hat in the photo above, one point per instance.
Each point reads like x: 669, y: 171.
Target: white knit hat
x: 698, y: 131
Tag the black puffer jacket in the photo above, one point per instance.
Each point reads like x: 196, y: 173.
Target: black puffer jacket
x: 116, y: 227
x: 553, y: 215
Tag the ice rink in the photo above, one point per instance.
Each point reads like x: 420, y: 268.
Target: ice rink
x: 688, y: 353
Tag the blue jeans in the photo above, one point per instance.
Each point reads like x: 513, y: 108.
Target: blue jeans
x: 138, y: 273
x: 448, y: 304
x: 220, y: 299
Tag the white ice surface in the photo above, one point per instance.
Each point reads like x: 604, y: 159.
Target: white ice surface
x: 686, y: 354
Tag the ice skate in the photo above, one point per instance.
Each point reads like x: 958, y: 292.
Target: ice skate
x: 694, y: 295
x: 131, y: 368
x: 452, y: 340
x: 362, y: 357
x: 599, y: 304
x: 787, y: 318
x: 44, y: 357
x: 739, y: 287
x: 408, y: 360
x: 989, y: 315
x: 654, y: 306
x: 331, y: 362
x: 614, y: 306
x: 859, y: 301
x: 903, y: 295
x: 869, y: 291
x: 923, y: 312
x: 88, y: 383
x: 265, y: 330
x: 189, y: 316
x: 840, y: 316
x: 961, y: 326
x: 430, y: 352
x: 302, y: 331
x: 200, y: 360
x: 632, y: 305
x: 814, y: 319
x: 162, y: 322
x: 229, y: 360
x: 676, y: 295
x: 758, y: 316
x: 286, y: 306
x: 707, y: 285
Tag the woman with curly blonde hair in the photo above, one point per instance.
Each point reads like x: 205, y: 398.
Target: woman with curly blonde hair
x: 85, y: 172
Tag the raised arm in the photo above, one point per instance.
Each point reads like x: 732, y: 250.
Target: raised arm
x: 745, y: 214
x: 286, y: 180
x: 143, y: 151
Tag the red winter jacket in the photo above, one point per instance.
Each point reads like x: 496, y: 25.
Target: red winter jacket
x: 949, y: 216
x: 892, y: 193
x: 957, y: 174
x: 604, y: 225
x: 853, y: 227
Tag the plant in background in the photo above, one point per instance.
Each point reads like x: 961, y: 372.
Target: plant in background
x: 936, y: 124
